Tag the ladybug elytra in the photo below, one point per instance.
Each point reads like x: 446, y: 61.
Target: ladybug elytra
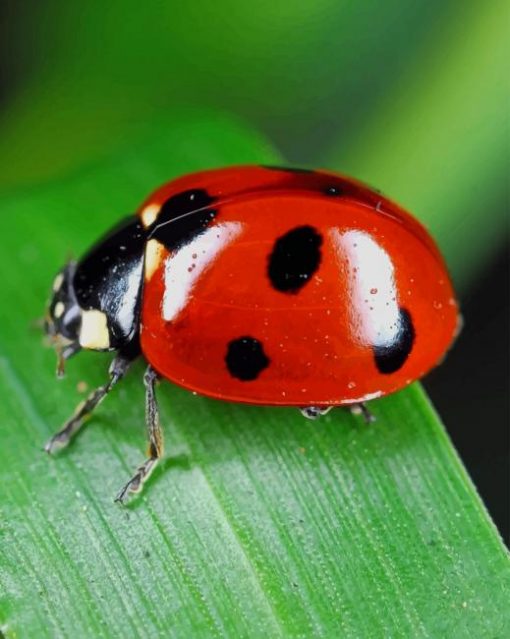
x: 262, y: 285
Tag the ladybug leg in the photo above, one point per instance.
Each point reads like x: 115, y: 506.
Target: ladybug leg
x: 314, y: 412
x: 118, y: 368
x: 155, y: 433
x: 361, y: 409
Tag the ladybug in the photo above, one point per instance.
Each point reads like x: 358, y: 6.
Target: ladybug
x: 258, y: 284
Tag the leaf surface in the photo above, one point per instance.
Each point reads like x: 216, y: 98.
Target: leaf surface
x: 258, y: 523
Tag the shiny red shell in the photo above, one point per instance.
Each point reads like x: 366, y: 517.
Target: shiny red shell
x: 301, y: 288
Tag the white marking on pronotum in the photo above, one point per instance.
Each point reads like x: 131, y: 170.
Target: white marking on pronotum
x: 94, y: 330
x: 183, y: 269
x: 150, y: 214
x: 57, y: 282
x: 130, y: 298
x: 59, y: 309
x: 371, y: 288
x: 153, y: 257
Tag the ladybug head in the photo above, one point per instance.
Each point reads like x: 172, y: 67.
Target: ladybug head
x: 95, y: 302
x: 63, y: 318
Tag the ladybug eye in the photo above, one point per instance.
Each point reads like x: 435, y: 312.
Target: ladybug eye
x: 333, y: 191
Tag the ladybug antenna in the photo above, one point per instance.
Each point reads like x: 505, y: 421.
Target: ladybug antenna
x: 64, y: 351
x: 60, y: 361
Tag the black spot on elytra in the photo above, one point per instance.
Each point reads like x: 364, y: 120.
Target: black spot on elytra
x: 182, y: 217
x: 294, y: 259
x: 288, y: 169
x: 391, y: 357
x: 245, y: 358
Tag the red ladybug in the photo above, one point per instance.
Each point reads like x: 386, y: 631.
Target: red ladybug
x: 263, y: 285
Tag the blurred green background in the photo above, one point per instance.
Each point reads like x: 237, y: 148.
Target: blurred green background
x: 411, y: 97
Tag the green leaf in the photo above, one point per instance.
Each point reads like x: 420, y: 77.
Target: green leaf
x: 258, y: 523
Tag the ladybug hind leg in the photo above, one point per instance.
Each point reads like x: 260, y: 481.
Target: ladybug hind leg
x: 142, y: 473
x: 361, y: 409
x: 314, y: 412
x: 118, y: 368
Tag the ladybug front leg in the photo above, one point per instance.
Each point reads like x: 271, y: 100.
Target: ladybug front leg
x: 118, y: 368
x: 155, y: 433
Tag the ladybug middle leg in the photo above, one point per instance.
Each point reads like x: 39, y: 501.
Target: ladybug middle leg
x: 135, y: 484
x: 118, y: 368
